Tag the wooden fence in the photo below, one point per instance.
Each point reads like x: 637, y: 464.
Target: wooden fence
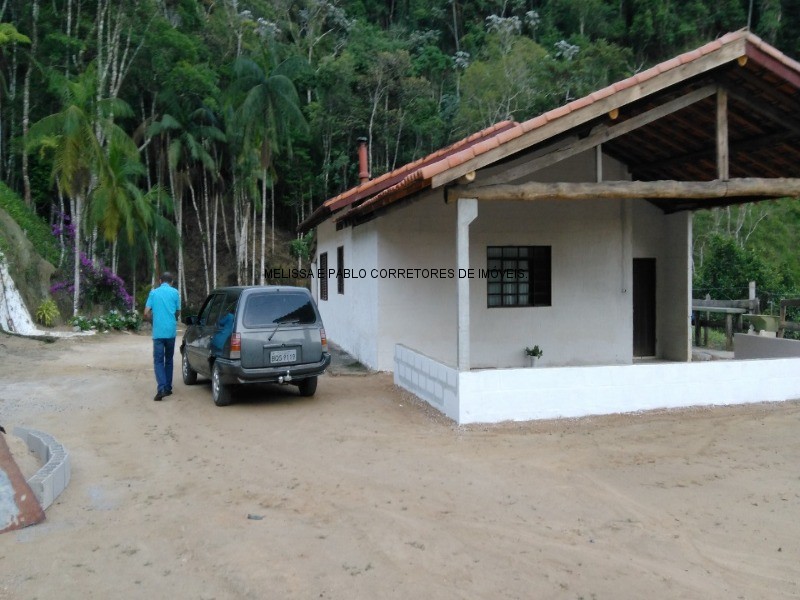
x: 733, y: 311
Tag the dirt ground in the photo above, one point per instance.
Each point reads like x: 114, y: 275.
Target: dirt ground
x: 361, y: 492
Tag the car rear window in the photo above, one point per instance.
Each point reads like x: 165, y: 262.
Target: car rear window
x: 262, y: 310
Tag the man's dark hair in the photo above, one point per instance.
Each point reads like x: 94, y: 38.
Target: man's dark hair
x: 166, y: 277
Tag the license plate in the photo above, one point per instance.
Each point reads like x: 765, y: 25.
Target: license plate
x: 282, y: 356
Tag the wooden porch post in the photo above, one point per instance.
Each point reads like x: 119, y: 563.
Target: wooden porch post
x: 467, y: 212
x: 723, y: 172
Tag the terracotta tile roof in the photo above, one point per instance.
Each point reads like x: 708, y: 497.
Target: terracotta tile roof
x: 389, y: 180
x: 417, y: 175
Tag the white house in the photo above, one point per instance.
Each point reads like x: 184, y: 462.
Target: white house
x: 571, y: 231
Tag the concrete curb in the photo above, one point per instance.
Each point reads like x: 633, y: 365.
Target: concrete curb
x: 49, y: 481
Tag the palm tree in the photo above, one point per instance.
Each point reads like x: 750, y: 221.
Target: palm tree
x: 120, y: 205
x: 70, y: 138
x: 188, y: 149
x: 153, y: 207
x: 118, y: 202
x: 271, y: 111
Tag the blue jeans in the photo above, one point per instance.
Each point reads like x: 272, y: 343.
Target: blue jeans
x: 163, y: 350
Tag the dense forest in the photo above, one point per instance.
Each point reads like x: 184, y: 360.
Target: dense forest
x: 186, y: 134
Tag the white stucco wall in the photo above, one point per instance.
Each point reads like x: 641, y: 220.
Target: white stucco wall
x: 592, y: 243
x: 589, y: 320
x: 418, y: 311
x: 351, y: 319
x: 527, y: 394
x: 667, y: 238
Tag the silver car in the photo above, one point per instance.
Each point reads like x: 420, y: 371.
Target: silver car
x: 259, y: 334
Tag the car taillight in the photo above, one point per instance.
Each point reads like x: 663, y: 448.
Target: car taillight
x: 236, y: 345
x: 323, y: 339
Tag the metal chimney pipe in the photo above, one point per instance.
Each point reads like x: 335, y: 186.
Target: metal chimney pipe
x: 363, y: 167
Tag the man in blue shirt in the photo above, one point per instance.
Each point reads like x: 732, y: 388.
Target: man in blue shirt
x: 162, y: 307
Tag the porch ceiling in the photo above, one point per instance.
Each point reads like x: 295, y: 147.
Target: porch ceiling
x: 763, y: 129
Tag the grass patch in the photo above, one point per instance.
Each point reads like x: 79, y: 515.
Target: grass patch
x: 36, y: 229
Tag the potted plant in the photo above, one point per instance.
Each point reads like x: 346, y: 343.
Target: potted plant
x: 533, y: 354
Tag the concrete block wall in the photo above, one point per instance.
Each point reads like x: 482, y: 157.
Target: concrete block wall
x: 49, y: 481
x: 430, y: 380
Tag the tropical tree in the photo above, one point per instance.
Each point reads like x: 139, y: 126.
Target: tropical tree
x: 69, y: 138
x: 506, y: 83
x: 728, y: 268
x: 120, y: 206
x: 188, y: 155
x: 271, y: 109
x: 9, y: 36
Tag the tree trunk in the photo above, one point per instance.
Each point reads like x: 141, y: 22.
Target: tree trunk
x: 178, y: 202
x: 253, y: 248
x: 207, y: 215
x: 76, y: 282
x: 202, y: 234
x: 214, y: 236
x: 264, y: 225
x: 26, y: 104
x: 61, y: 244
x: 272, y: 211
x: 241, y: 246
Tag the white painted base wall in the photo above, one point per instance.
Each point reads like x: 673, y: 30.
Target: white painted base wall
x: 747, y: 346
x: 495, y: 395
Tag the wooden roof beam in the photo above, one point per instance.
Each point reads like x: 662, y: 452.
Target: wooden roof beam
x: 612, y: 190
x: 723, y: 164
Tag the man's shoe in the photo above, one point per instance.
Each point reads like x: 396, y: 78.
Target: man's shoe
x: 167, y: 393
x: 158, y: 397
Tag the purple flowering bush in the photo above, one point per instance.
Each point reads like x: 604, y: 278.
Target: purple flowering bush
x: 100, y: 287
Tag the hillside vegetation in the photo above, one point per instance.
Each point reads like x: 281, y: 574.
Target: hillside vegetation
x: 186, y: 134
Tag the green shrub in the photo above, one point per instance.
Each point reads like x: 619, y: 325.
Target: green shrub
x: 35, y: 228
x: 113, y: 320
x: 47, y: 313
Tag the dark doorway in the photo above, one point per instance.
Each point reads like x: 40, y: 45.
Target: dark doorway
x: 644, y: 306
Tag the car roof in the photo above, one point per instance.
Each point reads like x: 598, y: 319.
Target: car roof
x: 263, y: 288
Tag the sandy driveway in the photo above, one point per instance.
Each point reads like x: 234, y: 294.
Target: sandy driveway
x: 362, y: 493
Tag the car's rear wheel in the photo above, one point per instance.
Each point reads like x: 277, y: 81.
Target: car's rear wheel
x: 189, y: 374
x: 219, y: 391
x: 308, y: 386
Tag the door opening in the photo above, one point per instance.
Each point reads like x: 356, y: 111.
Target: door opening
x: 644, y: 307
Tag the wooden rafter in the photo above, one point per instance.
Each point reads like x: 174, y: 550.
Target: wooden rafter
x: 765, y: 141
x: 777, y: 118
x: 604, y: 135
x: 596, y: 108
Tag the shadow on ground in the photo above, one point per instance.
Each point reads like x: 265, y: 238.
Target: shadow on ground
x: 344, y: 364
